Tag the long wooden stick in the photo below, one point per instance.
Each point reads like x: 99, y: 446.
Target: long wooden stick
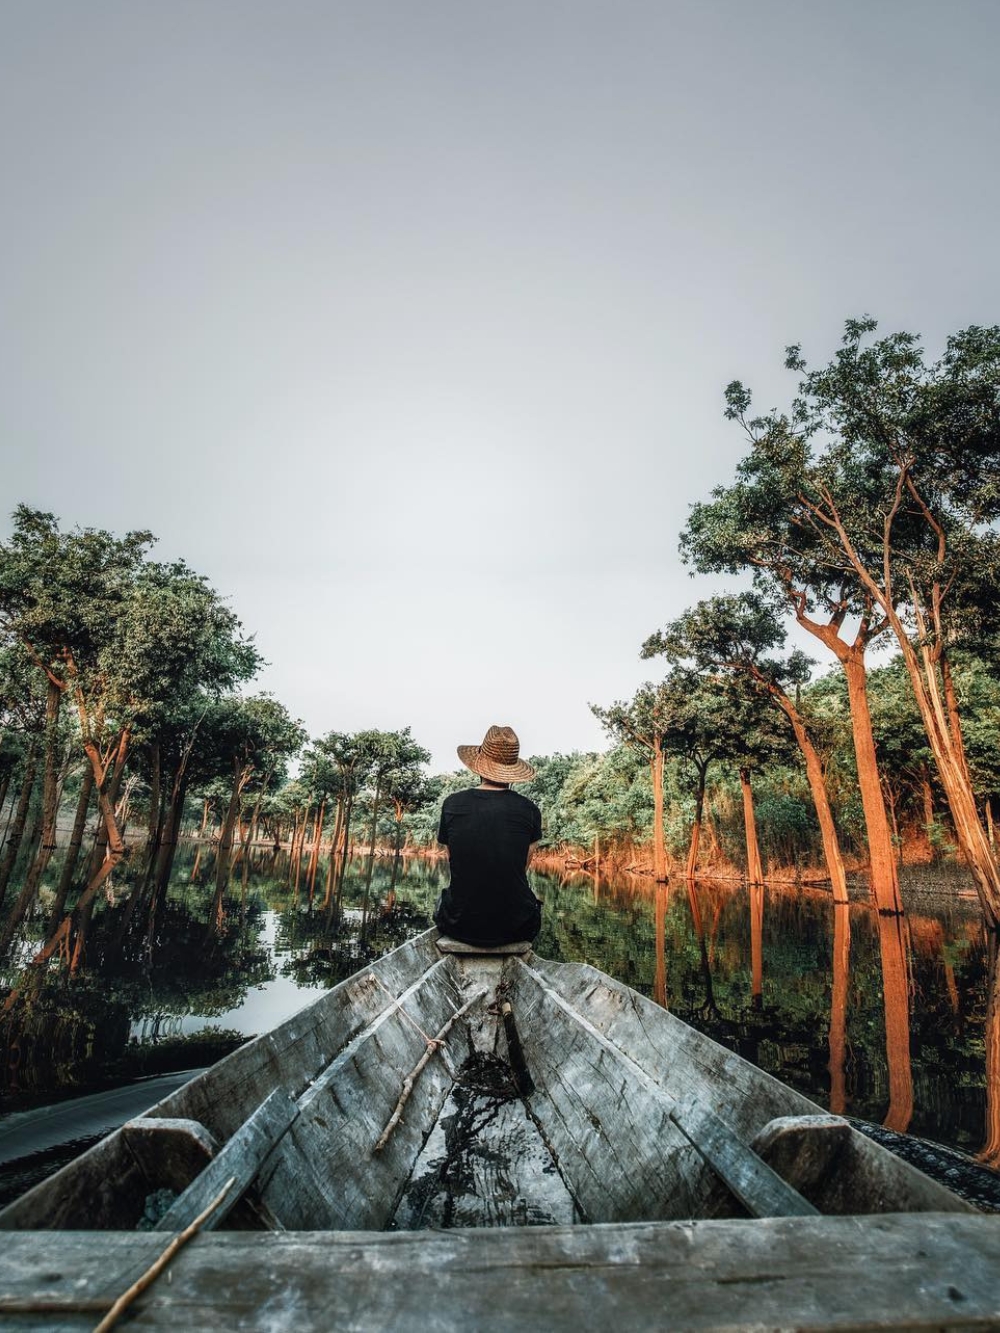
x: 155, y: 1269
x: 433, y: 1044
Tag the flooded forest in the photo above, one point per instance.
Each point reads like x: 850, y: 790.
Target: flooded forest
x: 788, y: 839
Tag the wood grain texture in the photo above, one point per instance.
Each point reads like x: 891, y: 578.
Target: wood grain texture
x: 913, y: 1271
x: 842, y: 1171
x: 749, y: 1179
x: 240, y: 1161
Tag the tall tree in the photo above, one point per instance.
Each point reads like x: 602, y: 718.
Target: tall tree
x: 894, y: 481
x: 741, y: 633
x: 64, y: 598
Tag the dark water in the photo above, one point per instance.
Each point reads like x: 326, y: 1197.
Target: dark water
x: 886, y: 1020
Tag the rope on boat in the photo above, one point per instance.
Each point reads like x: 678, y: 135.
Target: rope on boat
x: 433, y: 1044
x: 157, y: 1267
x: 409, y: 1017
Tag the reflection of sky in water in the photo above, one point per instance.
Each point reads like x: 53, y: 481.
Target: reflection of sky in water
x: 263, y: 1007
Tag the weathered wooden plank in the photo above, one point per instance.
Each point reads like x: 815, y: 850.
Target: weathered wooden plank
x: 688, y: 1065
x: 240, y: 1160
x: 842, y: 1171
x: 325, y: 1172
x: 913, y: 1271
x: 757, y: 1187
x: 446, y: 944
x: 683, y: 1061
x: 170, y: 1151
x: 617, y: 1149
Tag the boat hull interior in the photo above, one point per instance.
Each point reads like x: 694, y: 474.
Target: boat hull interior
x: 438, y: 1089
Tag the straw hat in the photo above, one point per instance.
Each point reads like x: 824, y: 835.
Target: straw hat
x: 496, y: 759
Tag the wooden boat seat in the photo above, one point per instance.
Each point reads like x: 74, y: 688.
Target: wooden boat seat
x: 235, y: 1166
x: 447, y: 945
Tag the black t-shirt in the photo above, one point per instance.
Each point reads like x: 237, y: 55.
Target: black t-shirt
x: 488, y: 833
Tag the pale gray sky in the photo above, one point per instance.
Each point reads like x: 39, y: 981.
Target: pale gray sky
x: 408, y: 323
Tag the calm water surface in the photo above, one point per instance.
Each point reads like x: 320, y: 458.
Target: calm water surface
x: 891, y: 1021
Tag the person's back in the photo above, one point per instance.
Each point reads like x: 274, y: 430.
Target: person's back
x: 489, y: 832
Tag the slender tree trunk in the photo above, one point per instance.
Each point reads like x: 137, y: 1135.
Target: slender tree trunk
x: 821, y: 799
x: 699, y: 806
x: 942, y: 723
x: 347, y: 850
x: 4, y: 789
x: 331, y: 873
x: 884, y: 873
x: 226, y: 846
x: 989, y: 822
x: 954, y: 717
x: 659, y: 843
x: 376, y: 802
x: 50, y: 800
x: 371, y: 858
x: 314, y: 853
x: 69, y: 937
x: 20, y: 817
x: 113, y: 772
x: 171, y: 831
x: 755, y: 870
x: 73, y: 850
x: 927, y: 797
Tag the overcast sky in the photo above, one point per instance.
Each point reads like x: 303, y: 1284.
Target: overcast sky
x: 408, y: 323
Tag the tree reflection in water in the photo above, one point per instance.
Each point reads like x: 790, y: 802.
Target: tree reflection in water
x: 896, y: 991
x: 841, y: 967
x: 814, y: 999
x: 990, y: 1153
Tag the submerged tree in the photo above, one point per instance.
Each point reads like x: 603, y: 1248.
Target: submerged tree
x: 740, y: 634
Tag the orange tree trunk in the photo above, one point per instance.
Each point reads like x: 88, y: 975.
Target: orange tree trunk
x: 755, y: 870
x: 885, y: 877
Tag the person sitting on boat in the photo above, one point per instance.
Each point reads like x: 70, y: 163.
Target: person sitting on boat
x: 490, y: 832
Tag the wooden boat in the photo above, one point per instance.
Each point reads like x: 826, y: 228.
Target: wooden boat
x: 451, y: 1089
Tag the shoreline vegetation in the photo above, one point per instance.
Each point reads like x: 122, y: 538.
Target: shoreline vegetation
x: 864, y: 515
